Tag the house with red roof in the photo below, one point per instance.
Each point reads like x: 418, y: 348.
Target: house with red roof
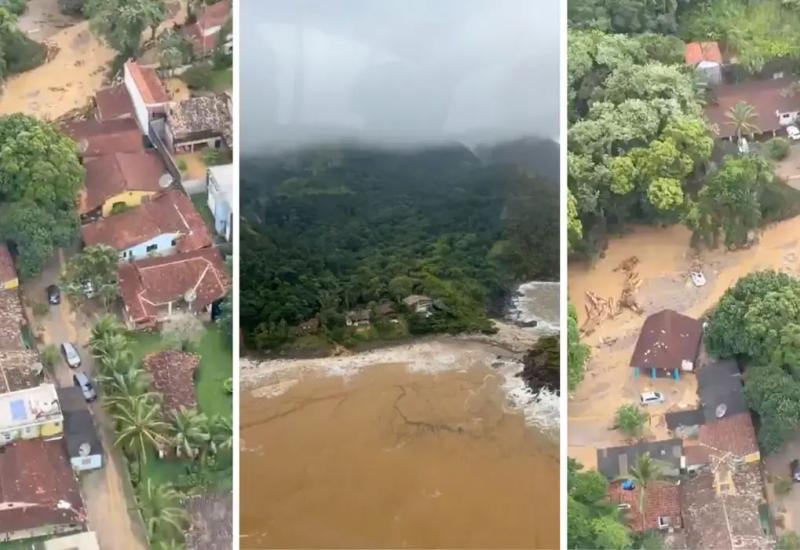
x: 166, y: 224
x: 205, y: 33
x: 96, y: 138
x: 155, y: 289
x: 39, y: 494
x: 706, y: 58
x: 147, y: 94
x: 662, y: 509
x: 121, y: 180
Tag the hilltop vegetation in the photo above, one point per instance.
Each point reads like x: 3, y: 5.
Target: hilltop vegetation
x: 332, y: 230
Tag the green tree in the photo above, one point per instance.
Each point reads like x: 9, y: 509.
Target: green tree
x: 577, y: 351
x: 610, y: 533
x: 140, y: 428
x: 120, y: 385
x: 630, y: 420
x: 643, y: 474
x: 789, y: 540
x: 164, y: 514
x: 729, y: 204
x: 592, y: 522
x: 95, y: 266
x: 189, y: 432
x: 221, y: 433
x: 742, y: 116
x: 174, y: 50
x: 775, y: 397
x: 106, y: 324
x: 121, y: 23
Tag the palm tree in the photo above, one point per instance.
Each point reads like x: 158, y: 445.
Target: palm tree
x: 118, y: 386
x: 164, y: 516
x: 108, y: 344
x: 643, y: 473
x: 189, y: 432
x: 742, y: 116
x: 106, y: 324
x: 140, y: 427
x: 221, y: 433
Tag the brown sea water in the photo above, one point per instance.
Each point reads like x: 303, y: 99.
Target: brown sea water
x: 393, y: 458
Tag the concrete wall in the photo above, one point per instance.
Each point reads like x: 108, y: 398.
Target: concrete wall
x: 139, y: 106
x: 163, y: 244
x: 129, y: 198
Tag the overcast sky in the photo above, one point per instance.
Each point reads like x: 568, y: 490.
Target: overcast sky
x: 397, y: 71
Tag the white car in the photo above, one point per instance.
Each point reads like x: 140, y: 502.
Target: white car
x: 793, y: 133
x: 698, y: 278
x: 651, y: 397
x: 70, y: 355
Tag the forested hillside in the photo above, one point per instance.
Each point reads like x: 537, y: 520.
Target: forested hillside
x: 329, y: 231
x: 640, y: 149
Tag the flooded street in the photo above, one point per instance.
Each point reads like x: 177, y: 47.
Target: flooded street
x: 665, y: 259
x: 389, y: 457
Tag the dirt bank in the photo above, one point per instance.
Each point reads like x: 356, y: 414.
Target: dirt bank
x: 665, y: 259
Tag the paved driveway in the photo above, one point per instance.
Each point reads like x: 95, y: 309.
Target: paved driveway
x: 104, y: 490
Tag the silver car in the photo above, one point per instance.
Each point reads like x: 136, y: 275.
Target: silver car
x: 85, y: 384
x: 70, y: 355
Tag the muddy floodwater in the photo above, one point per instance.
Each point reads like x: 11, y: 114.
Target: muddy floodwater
x: 389, y: 457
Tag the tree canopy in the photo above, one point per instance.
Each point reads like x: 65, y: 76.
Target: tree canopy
x: 592, y: 522
x: 332, y: 230
x: 39, y: 180
x: 121, y: 23
x: 636, y: 136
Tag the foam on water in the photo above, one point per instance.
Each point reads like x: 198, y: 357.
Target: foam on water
x: 536, y: 301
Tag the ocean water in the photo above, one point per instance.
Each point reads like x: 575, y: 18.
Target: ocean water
x: 537, y: 301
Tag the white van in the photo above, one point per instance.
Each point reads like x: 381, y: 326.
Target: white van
x: 70, y: 355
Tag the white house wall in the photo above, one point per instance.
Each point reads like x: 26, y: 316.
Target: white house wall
x: 163, y: 243
x: 139, y: 106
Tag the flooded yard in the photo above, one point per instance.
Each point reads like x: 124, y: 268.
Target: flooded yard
x: 665, y: 259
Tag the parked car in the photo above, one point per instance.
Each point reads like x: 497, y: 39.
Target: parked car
x: 793, y: 133
x: 795, y: 469
x: 53, y: 295
x: 651, y: 397
x: 698, y: 279
x: 71, y: 355
x: 85, y: 384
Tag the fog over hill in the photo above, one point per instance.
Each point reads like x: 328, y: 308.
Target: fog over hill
x: 398, y: 72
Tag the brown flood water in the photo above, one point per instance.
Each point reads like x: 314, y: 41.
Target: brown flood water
x: 391, y: 458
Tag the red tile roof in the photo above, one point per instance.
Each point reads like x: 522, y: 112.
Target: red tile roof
x: 666, y: 340
x: 96, y: 138
x: 697, y: 455
x: 169, y: 212
x: 214, y: 15
x: 733, y: 434
x: 172, y: 373
x: 113, y: 103
x: 148, y: 83
x: 7, y: 270
x: 661, y: 500
x: 110, y: 175
x: 764, y: 96
x: 147, y: 284
x: 35, y: 476
x: 696, y: 52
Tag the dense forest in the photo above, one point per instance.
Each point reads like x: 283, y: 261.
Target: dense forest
x: 640, y: 149
x: 334, y: 230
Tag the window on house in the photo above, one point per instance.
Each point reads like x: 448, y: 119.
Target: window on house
x: 663, y: 522
x: 174, y: 242
x: 152, y: 247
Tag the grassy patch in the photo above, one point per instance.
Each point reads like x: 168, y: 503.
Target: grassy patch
x: 204, y: 77
x: 200, y: 204
x: 216, y: 365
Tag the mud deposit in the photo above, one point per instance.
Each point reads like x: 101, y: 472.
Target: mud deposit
x: 389, y: 456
